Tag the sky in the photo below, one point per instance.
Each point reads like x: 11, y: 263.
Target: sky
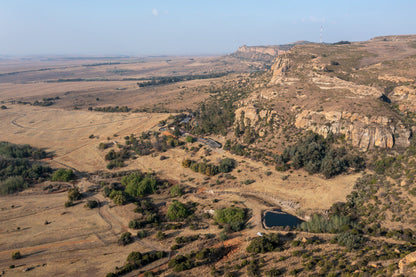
x: 190, y: 27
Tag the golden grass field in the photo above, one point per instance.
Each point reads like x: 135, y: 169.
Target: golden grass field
x: 83, y: 242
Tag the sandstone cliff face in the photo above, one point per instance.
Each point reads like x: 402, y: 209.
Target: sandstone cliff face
x: 280, y: 69
x: 265, y: 50
x: 363, y: 132
x: 254, y: 117
x: 406, y: 97
x: 405, y: 265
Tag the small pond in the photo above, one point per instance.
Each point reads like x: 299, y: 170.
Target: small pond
x: 272, y: 219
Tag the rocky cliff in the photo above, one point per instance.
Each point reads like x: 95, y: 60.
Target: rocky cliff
x: 362, y: 131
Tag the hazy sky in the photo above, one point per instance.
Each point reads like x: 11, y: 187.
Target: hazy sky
x: 177, y: 27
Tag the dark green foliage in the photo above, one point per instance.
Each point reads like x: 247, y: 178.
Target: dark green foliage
x: 63, y: 175
x: 3, y: 107
x: 350, y: 240
x: 118, y: 197
x: 125, y: 238
x: 17, y: 168
x: 316, y: 155
x: 69, y: 203
x: 12, y: 184
x: 91, y: 204
x: 141, y: 234
x: 74, y: 194
x: 189, y: 139
x: 16, y: 255
x: 136, y: 260
x: 227, y: 165
x: 11, y: 150
x: 205, y: 256
x: 265, y: 243
x: 117, y: 158
x: 184, y: 240
x: 233, y: 217
x: 322, y: 224
x: 139, y: 185
x: 274, y: 272
x: 177, y: 211
x: 116, y: 109
x: 176, y: 191
x: 383, y: 164
x: 157, y: 81
x: 160, y: 235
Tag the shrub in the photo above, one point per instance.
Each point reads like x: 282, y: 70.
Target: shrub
x: 176, y: 191
x: 12, y: 184
x: 74, y: 194
x: 63, y: 175
x: 138, y: 185
x: 16, y: 255
x: 321, y: 224
x: 349, y: 240
x: 125, y: 239
x: 160, y: 235
x: 233, y: 217
x: 141, y: 234
x: 91, y: 204
x: 189, y: 139
x: 177, y: 211
x: 265, y: 243
x: 69, y: 203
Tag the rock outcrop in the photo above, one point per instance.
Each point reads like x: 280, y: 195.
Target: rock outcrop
x: 406, y: 97
x: 363, y: 132
x: 280, y: 69
x: 405, y: 265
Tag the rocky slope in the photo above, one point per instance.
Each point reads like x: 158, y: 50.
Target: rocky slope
x: 327, y: 89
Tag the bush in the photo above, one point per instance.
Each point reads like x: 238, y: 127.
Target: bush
x: 12, y: 184
x: 321, y: 224
x: 141, y: 234
x: 349, y: 240
x: 63, y: 175
x: 176, y: 191
x: 16, y: 255
x: 138, y: 185
x: 68, y: 204
x: 74, y: 194
x: 265, y: 243
x: 91, y: 204
x: 233, y: 217
x: 189, y: 139
x: 177, y: 211
x: 125, y: 238
x: 160, y: 235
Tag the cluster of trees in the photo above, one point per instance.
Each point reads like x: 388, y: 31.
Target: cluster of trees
x: 139, y: 184
x: 321, y: 224
x: 63, y: 175
x: 349, y: 240
x: 116, y: 158
x: 315, y: 154
x: 195, y: 259
x: 266, y: 243
x: 136, y: 260
x: 232, y: 218
x: 112, y: 109
x: 156, y: 81
x: 177, y: 211
x: 226, y: 165
x: 19, y: 167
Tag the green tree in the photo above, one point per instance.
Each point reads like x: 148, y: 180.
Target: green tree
x: 63, y: 175
x: 177, y: 211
